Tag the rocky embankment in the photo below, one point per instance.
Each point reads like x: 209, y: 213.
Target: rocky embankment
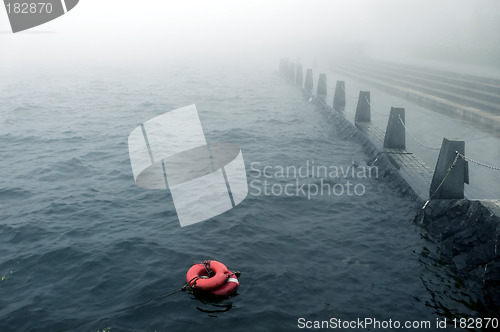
x: 467, y: 233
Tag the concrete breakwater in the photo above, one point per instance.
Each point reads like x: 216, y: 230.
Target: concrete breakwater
x: 466, y: 231
x: 470, y: 97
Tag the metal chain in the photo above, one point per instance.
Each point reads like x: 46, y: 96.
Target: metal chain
x: 478, y: 162
x: 414, y: 138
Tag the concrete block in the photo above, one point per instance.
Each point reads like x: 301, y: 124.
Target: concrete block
x: 446, y: 183
x: 309, y: 85
x: 363, y: 112
x: 321, y: 91
x: 284, y: 66
x: 292, y: 72
x: 395, y: 136
x: 299, y: 78
x: 339, y: 96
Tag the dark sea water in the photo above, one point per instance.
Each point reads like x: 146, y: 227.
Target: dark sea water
x: 82, y: 248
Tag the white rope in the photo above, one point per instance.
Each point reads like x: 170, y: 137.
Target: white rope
x: 478, y: 162
x: 414, y: 138
x: 373, y: 109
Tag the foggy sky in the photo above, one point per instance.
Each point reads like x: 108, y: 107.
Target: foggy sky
x: 149, y: 32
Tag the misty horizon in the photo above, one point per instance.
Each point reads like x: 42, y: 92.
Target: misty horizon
x: 129, y: 32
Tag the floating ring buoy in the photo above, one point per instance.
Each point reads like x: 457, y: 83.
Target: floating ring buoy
x: 207, y: 276
x: 231, y: 285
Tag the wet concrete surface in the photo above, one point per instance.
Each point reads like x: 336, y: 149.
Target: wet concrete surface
x: 429, y: 127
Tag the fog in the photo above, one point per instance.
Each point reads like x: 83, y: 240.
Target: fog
x: 147, y: 32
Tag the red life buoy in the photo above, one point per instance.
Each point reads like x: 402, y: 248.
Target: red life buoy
x: 198, y: 277
x: 231, y: 285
